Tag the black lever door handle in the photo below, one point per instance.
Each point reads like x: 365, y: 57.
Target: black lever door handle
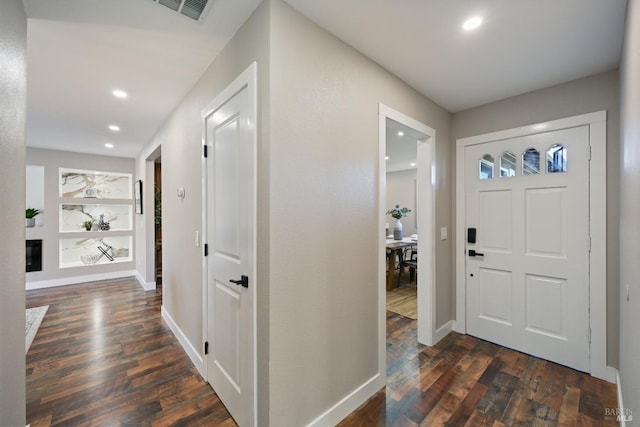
x: 244, y: 281
x: 472, y: 252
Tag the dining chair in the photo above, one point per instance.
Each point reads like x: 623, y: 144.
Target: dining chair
x: 408, y: 259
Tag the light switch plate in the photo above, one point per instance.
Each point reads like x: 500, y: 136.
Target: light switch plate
x: 443, y: 233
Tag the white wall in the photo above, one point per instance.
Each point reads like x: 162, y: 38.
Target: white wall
x: 595, y: 93
x: 13, y: 45
x: 324, y: 202
x: 630, y: 214
x: 180, y: 142
x: 317, y: 154
x: 401, y: 190
x: 48, y: 230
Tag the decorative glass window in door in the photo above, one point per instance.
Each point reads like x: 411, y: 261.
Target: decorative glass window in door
x: 486, y: 166
x: 530, y: 162
x: 508, y: 164
x: 556, y: 159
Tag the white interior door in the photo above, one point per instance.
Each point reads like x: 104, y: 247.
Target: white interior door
x: 231, y: 260
x: 527, y: 287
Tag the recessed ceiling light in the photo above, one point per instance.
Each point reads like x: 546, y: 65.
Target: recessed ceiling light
x: 472, y: 23
x: 108, y: 145
x: 386, y: 158
x: 120, y: 94
x: 114, y: 128
x: 413, y: 164
x: 400, y: 133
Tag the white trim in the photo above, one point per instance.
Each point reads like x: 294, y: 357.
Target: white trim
x: 249, y: 79
x: 193, y: 354
x: 426, y: 223
x: 348, y: 404
x: 598, y: 256
x: 623, y: 422
x: 444, y: 330
x: 598, y: 205
x: 147, y: 286
x: 612, y: 375
x: 79, y: 279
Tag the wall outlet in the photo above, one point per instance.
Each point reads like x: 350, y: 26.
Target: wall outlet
x: 443, y: 233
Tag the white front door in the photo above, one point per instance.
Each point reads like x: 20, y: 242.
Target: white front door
x: 230, y: 165
x: 527, y: 209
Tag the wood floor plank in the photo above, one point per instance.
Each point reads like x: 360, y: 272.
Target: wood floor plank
x: 103, y: 356
x: 464, y: 381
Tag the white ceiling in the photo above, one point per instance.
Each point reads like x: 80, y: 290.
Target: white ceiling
x: 80, y: 50
x: 401, y: 146
x: 522, y: 45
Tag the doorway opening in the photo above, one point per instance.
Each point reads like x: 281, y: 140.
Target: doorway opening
x: 157, y: 219
x: 593, y: 238
x: 397, y: 130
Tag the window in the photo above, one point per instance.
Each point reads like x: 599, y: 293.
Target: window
x: 530, y: 162
x: 486, y: 167
x: 556, y: 159
x: 508, y: 164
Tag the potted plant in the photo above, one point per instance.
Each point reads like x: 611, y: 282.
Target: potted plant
x: 398, y: 213
x: 30, y: 215
x: 88, y: 224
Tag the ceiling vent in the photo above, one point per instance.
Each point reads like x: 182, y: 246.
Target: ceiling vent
x: 190, y: 8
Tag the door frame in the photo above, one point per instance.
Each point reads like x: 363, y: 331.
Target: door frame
x: 597, y: 123
x: 249, y: 79
x: 425, y: 204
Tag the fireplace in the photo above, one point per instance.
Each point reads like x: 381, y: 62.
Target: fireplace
x: 34, y: 255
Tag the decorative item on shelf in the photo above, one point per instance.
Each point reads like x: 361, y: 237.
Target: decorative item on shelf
x: 102, y: 225
x: 90, y: 259
x: 87, y: 224
x: 398, y: 213
x: 90, y: 193
x: 105, y: 250
x: 30, y: 217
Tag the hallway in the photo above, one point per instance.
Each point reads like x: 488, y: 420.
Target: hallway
x: 103, y: 354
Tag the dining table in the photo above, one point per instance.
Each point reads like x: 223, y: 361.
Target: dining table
x: 395, y: 250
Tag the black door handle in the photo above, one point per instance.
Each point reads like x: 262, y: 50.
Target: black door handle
x: 244, y: 281
x: 474, y: 253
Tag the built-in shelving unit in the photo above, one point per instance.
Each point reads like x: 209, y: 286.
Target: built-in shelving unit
x: 103, y: 198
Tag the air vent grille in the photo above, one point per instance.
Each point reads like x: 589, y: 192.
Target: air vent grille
x: 190, y: 8
x: 194, y: 8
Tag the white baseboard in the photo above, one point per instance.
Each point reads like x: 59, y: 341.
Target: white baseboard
x: 78, y: 279
x: 349, y: 403
x: 147, y: 286
x: 193, y: 354
x: 443, y: 331
x: 623, y: 422
x: 459, y: 328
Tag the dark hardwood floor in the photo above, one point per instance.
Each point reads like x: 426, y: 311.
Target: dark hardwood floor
x: 465, y: 381
x: 103, y: 356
